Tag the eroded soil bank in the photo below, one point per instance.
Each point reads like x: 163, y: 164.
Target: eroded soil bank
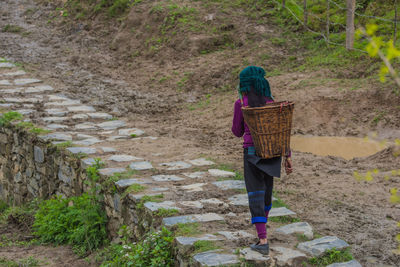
x: 80, y: 58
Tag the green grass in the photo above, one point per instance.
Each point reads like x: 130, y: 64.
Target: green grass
x: 162, y: 212
x: 8, y: 117
x: 187, y: 229
x: 64, y: 145
x: 12, y: 28
x: 284, y: 219
x: 331, y: 256
x: 26, y: 262
x: 134, y: 188
x: 204, y: 245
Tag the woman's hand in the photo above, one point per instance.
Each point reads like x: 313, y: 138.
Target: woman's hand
x: 288, y: 165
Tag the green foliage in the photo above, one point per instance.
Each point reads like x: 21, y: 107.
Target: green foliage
x: 3, y: 206
x: 64, y: 145
x: 8, y: 117
x: 154, y: 250
x: 22, y: 216
x: 331, y: 256
x: 284, y: 219
x: 26, y: 262
x: 162, y: 212
x: 204, y: 245
x: 12, y: 28
x: 187, y: 229
x: 77, y: 221
x: 134, y: 188
x: 31, y: 127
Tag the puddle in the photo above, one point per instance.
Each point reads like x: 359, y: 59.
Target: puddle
x: 345, y: 147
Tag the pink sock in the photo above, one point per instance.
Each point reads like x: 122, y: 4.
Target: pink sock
x: 261, y: 230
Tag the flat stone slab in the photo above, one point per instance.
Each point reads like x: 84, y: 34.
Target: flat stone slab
x: 6, y: 65
x: 63, y: 103
x: 192, y: 204
x: 176, y: 165
x: 166, y: 178
x: 189, y: 241
x: 55, y: 119
x: 160, y: 189
x: 111, y: 171
x: 55, y: 126
x: 352, y: 263
x: 5, y: 82
x: 194, y: 187
x: 117, y: 138
x: 154, y: 206
x: 38, y: 89
x: 14, y: 73
x: 59, y: 98
x: 56, y: 112
x: 100, y: 115
x: 128, y: 182
x: 130, y: 131
x: 215, y: 259
x: 26, y: 81
x: 201, y: 162
x: 57, y: 136
x: 207, y: 217
x: 108, y: 149
x: 86, y: 126
x: 81, y: 109
x: 123, y: 158
x: 87, y: 142
x: 286, y: 256
x: 318, y: 246
x: 299, y: 227
x: 194, y: 175
x: 212, y: 201
x: 251, y: 255
x: 111, y: 125
x: 5, y: 105
x: 81, y: 117
x: 221, y: 173
x: 25, y: 111
x: 141, y: 166
x: 282, y: 211
x: 22, y: 100
x: 230, y: 184
x: 235, y: 235
x: 84, y: 136
x: 239, y: 200
x: 84, y: 150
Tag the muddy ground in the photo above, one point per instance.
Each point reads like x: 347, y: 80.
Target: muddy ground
x: 177, y: 93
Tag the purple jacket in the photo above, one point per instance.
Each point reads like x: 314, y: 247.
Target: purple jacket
x: 239, y: 127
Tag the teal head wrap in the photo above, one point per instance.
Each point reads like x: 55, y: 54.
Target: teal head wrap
x: 253, y: 77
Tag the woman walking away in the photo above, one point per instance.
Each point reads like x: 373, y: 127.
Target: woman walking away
x: 254, y: 91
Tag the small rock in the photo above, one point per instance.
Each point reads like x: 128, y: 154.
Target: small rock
x: 81, y: 117
x: 166, y: 178
x: 212, y: 201
x: 208, y: 217
x: 287, y: 256
x: 235, y: 235
x: 56, y: 112
x: 189, y: 241
x: 251, y: 255
x: 131, y: 131
x: 299, y: 227
x: 193, y: 187
x: 99, y: 115
x: 87, y: 162
x: 318, y: 246
x: 352, y: 263
x: 87, y: 142
x: 108, y: 149
x: 239, y: 200
x: 111, y: 171
x: 55, y: 126
x: 26, y: 81
x: 81, y: 109
x: 83, y: 136
x: 38, y: 154
x: 57, y: 136
x: 154, y: 206
x: 85, y: 150
x: 141, y: 166
x: 176, y: 165
x: 55, y: 119
x: 194, y: 175
x: 25, y: 111
x: 123, y: 158
x: 111, y: 125
x: 86, y: 126
x: 192, y: 204
x: 64, y: 103
x: 201, y: 162
x: 282, y: 211
x: 221, y: 173
x: 38, y: 89
x: 215, y: 259
x: 230, y: 184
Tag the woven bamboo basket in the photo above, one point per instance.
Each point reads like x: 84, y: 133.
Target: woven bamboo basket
x: 270, y: 127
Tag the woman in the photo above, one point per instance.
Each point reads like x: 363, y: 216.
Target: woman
x: 254, y: 91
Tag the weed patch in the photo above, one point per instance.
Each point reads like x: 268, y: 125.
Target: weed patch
x: 331, y: 256
x: 8, y: 117
x: 26, y: 262
x: 187, y: 229
x: 166, y: 212
x: 284, y: 219
x: 204, y: 245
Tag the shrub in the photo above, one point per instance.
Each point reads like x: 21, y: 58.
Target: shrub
x: 77, y: 221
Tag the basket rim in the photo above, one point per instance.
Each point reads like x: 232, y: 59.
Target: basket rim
x: 270, y: 105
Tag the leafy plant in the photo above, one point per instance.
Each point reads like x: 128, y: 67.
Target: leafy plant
x: 331, y: 256
x: 154, y: 250
x: 77, y: 221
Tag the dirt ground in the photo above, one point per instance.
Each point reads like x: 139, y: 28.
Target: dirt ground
x: 92, y: 62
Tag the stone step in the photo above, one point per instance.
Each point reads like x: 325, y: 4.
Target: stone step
x: 296, y: 228
x: 207, y: 217
x: 352, y: 263
x: 318, y: 246
x: 287, y: 257
x: 213, y: 258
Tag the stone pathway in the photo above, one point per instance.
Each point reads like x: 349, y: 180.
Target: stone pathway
x: 192, y: 191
